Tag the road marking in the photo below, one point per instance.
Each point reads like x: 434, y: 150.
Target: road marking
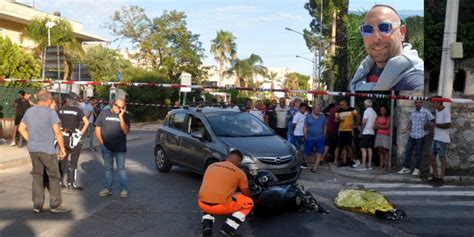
x: 433, y: 203
x: 398, y: 185
x: 371, y: 223
x: 428, y: 193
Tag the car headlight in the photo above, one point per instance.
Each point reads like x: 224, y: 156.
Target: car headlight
x: 248, y: 160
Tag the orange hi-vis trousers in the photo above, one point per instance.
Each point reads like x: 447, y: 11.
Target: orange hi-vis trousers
x: 240, y: 203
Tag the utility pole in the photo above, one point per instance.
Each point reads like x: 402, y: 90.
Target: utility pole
x: 446, y: 75
x: 332, y: 53
x: 320, y: 49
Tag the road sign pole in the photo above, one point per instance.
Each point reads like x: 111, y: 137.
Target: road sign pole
x: 59, y: 98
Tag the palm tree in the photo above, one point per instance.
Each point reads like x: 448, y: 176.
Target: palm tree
x: 295, y: 81
x: 272, y: 76
x: 246, y: 69
x: 224, y: 49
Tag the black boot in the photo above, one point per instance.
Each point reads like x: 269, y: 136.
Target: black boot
x: 207, y: 228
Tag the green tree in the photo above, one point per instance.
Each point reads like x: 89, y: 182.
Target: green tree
x: 224, y: 49
x: 272, y: 76
x: 61, y: 35
x: 163, y: 43
x: 103, y: 64
x: 296, y: 81
x: 246, y: 69
x: 335, y: 60
x: 355, y: 50
x: 415, y: 33
x: 15, y: 63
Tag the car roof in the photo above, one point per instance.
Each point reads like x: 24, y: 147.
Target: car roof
x: 206, y: 110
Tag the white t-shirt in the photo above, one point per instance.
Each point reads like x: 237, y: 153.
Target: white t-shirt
x: 281, y: 116
x: 370, y: 115
x: 440, y: 134
x: 299, y: 119
x: 257, y: 113
x: 236, y: 108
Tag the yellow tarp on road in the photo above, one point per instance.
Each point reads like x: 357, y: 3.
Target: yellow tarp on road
x: 365, y: 201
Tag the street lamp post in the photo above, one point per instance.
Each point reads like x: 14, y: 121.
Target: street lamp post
x: 49, y: 25
x: 316, y: 64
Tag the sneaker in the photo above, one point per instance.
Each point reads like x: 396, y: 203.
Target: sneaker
x: 404, y: 171
x: 438, y: 182
x: 304, y: 166
x: 13, y: 144
x: 357, y: 163
x: 60, y: 209
x: 369, y: 168
x: 74, y: 186
x: 2, y: 140
x: 124, y: 194
x: 416, y: 172
x: 361, y: 168
x: 106, y: 192
x: 37, y: 210
x: 432, y: 179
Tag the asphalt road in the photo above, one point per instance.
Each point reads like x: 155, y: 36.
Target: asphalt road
x: 164, y: 204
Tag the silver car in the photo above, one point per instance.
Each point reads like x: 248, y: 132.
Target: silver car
x: 195, y: 138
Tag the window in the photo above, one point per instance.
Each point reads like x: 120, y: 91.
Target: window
x: 195, y: 124
x: 233, y: 124
x: 177, y: 121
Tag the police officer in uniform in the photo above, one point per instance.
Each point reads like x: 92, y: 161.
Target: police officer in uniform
x: 73, y: 125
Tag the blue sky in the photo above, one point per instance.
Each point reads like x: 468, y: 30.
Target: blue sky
x: 258, y: 25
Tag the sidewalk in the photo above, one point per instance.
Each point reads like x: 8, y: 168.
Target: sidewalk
x: 13, y: 156
x: 383, y: 176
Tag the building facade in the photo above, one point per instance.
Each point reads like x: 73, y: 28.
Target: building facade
x: 15, y: 16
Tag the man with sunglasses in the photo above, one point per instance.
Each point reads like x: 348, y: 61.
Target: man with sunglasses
x: 111, y: 128
x: 391, y: 64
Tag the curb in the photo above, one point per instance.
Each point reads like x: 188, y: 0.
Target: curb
x: 15, y: 163
x: 27, y: 160
x: 390, y: 177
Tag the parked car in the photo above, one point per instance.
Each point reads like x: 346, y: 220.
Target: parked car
x: 195, y: 138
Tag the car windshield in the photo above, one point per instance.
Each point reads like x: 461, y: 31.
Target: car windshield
x: 234, y: 124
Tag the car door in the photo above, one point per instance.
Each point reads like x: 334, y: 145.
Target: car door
x: 173, y: 138
x: 195, y: 151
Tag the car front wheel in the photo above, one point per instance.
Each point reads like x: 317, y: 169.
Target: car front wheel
x: 161, y: 162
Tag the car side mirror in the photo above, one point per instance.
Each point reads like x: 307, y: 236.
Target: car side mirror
x: 197, y: 134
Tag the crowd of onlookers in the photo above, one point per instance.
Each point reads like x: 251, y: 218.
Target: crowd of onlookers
x: 339, y: 131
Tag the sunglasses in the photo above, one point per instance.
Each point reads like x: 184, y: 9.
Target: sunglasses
x: 118, y: 106
x: 385, y: 28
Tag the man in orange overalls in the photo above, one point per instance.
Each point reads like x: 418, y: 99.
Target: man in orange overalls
x: 217, y: 195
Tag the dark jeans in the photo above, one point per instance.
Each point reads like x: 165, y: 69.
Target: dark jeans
x: 63, y: 164
x: 45, y: 162
x: 109, y: 157
x: 412, y: 143
x: 282, y: 132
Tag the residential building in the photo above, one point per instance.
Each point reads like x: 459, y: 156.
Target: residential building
x: 15, y: 16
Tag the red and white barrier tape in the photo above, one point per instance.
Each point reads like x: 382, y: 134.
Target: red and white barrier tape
x: 177, y: 86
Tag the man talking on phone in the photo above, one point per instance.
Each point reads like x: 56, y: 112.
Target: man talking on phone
x: 111, y: 129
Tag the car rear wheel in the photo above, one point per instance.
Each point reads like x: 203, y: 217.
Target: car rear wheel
x: 161, y: 162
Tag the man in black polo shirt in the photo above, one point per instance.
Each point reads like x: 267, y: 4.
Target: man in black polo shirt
x: 111, y: 129
x: 71, y: 116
